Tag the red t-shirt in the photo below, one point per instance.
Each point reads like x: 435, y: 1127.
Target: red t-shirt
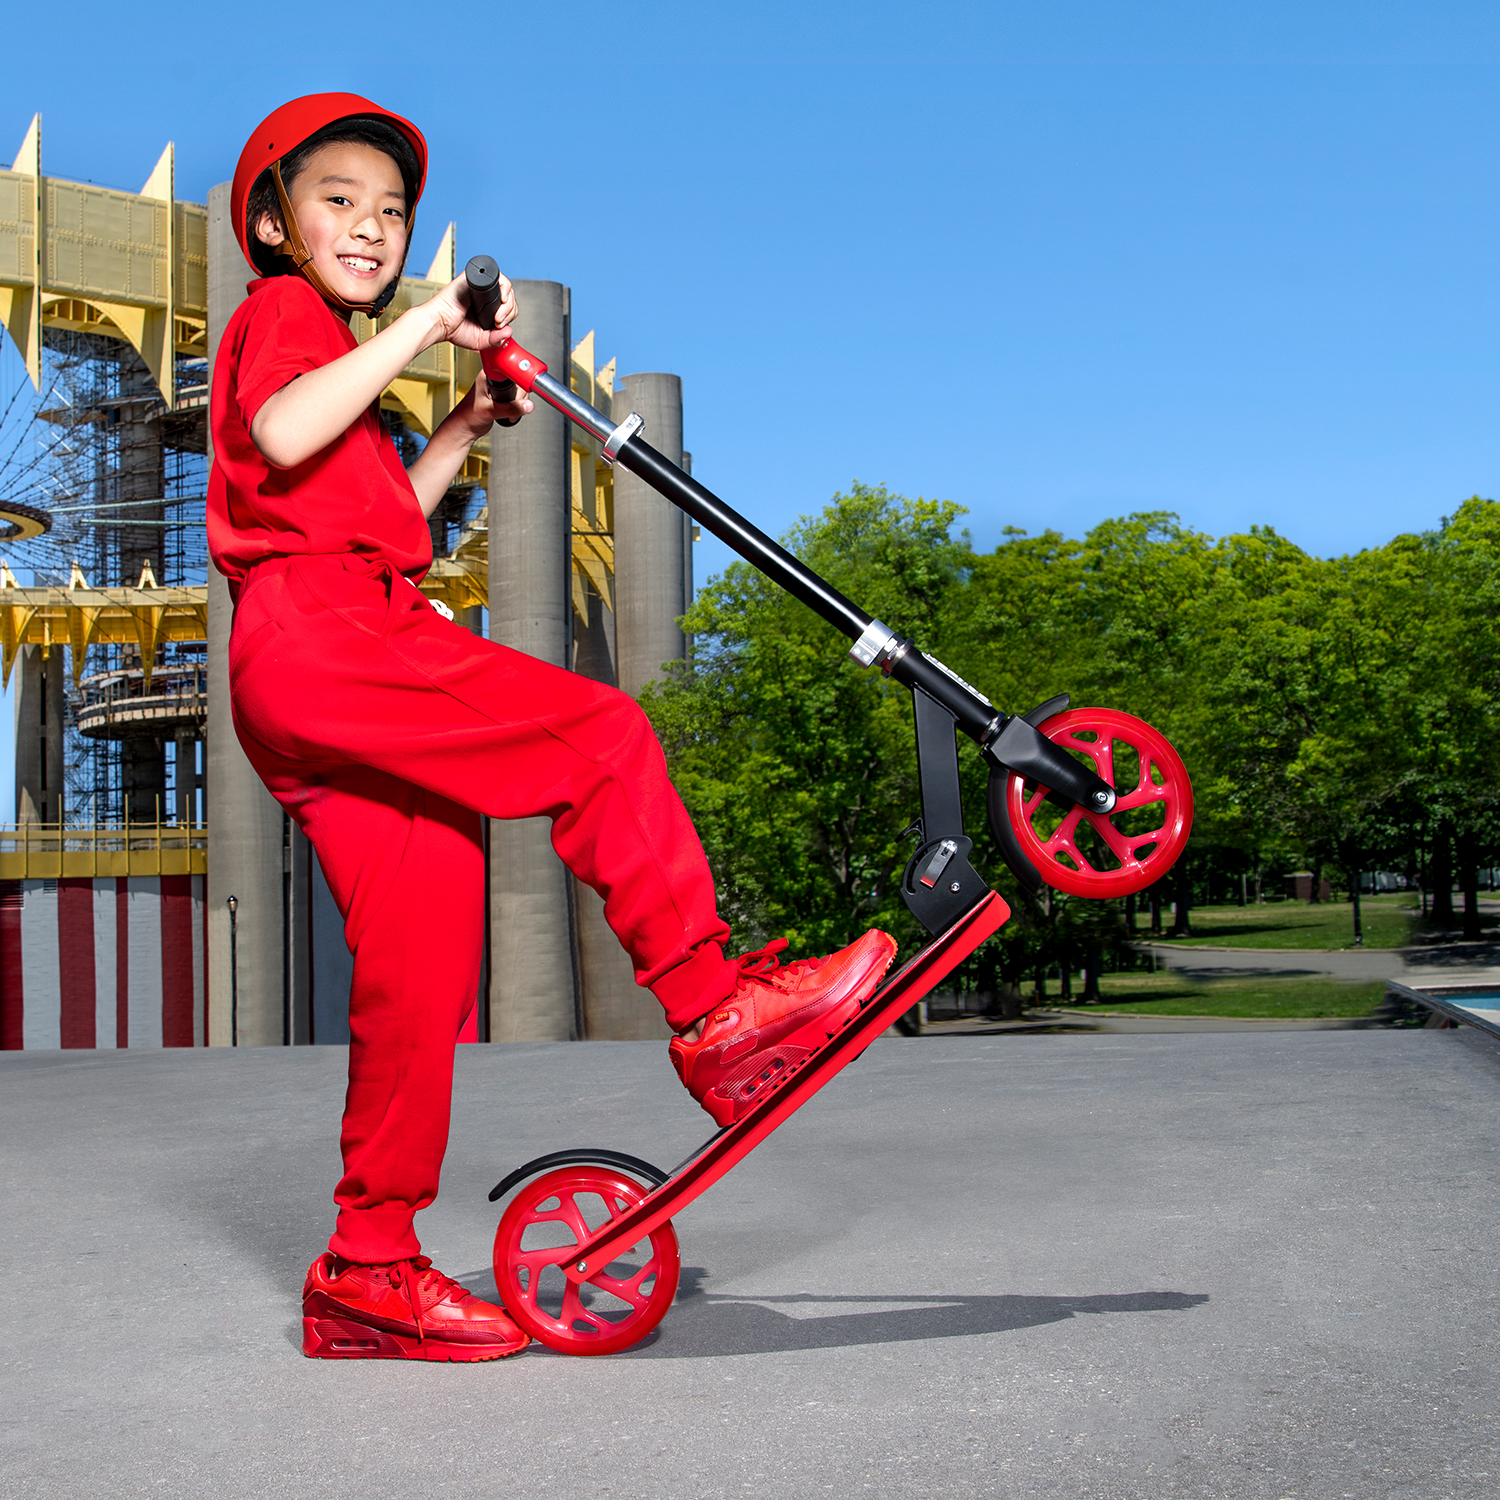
x: 354, y: 496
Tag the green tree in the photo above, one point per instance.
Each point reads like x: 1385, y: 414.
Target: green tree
x: 1334, y: 711
x: 1453, y: 712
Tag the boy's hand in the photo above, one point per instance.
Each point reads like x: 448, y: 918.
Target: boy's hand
x: 477, y: 411
x: 437, y: 464
x: 449, y: 312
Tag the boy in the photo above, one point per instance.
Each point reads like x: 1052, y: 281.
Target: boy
x: 386, y: 730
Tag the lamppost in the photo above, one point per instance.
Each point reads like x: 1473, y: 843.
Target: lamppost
x: 233, y: 903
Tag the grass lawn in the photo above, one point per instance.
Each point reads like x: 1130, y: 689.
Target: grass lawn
x: 1294, y: 997
x: 1389, y: 922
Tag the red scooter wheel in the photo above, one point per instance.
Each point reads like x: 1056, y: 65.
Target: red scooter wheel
x: 1089, y: 854
x: 540, y: 1232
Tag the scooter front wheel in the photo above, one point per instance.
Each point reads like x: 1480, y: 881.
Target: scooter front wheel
x: 540, y: 1232
x: 1104, y: 855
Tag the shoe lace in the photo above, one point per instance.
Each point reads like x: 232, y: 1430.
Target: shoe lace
x: 418, y: 1275
x: 764, y: 966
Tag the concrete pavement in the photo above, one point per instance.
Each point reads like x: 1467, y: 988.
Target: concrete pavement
x: 1227, y: 1265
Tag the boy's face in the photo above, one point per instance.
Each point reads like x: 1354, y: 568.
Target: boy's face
x: 350, y: 205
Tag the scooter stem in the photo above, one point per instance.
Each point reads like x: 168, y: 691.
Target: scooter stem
x: 1009, y: 740
x: 875, y: 644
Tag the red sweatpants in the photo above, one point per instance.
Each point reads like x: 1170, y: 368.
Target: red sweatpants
x: 385, y: 731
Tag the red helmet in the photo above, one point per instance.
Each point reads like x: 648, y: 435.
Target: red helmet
x: 282, y: 131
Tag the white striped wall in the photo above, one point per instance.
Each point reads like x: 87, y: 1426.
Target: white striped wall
x: 42, y: 1024
x: 148, y: 930
x: 105, y: 1003
x: 143, y: 954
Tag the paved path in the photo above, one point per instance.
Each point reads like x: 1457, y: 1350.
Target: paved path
x: 1439, y: 963
x: 1103, y: 1267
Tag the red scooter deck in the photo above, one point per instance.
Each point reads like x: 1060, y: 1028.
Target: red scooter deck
x: 708, y: 1165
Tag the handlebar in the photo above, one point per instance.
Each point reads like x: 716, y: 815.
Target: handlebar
x: 483, y: 276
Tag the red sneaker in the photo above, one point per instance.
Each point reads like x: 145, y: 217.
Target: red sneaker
x: 406, y: 1310
x: 777, y: 1016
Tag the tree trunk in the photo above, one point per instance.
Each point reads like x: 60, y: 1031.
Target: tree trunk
x: 1441, y: 866
x: 1468, y: 879
x: 1359, y: 931
x: 1092, y: 962
x: 1155, y: 911
x: 1181, y: 920
x: 1315, y: 888
x: 1130, y: 913
x: 1039, y: 994
x: 1065, y: 974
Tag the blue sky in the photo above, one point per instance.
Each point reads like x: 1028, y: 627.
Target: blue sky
x: 1053, y: 263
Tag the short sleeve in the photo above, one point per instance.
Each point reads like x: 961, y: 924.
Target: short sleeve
x: 284, y: 335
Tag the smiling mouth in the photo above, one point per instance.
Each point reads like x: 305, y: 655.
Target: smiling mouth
x: 360, y: 265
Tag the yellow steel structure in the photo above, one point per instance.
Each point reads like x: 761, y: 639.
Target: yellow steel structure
x: 79, y: 617
x: 40, y: 851
x: 134, y: 266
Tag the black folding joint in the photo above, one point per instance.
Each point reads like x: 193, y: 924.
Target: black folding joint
x: 940, y: 884
x: 1019, y: 747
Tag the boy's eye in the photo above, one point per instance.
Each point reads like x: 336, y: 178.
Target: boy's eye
x: 339, y: 198
x: 396, y: 213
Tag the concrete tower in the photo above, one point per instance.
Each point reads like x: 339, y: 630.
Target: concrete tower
x: 534, y: 993
x: 248, y: 856
x: 653, y: 568
x: 653, y: 572
x: 39, y: 734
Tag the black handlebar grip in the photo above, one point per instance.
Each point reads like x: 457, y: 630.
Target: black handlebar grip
x: 483, y: 276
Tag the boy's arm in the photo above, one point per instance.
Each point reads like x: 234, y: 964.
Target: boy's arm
x: 310, y: 412
x: 443, y: 457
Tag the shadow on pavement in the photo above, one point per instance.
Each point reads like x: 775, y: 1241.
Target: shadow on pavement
x: 1452, y: 956
x: 702, y: 1324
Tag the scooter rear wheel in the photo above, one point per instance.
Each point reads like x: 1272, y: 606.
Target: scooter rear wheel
x: 1105, y: 856
x: 539, y: 1234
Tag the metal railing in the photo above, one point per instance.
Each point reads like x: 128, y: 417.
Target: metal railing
x: 43, y: 851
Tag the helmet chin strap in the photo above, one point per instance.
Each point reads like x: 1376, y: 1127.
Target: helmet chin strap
x: 295, y: 247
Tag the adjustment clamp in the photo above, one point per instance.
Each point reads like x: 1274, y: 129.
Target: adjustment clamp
x: 872, y: 646
x: 622, y: 435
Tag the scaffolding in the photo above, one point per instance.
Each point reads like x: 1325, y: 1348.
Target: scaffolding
x: 104, y: 295
x: 122, y: 478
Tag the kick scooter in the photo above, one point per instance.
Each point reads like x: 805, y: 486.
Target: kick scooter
x: 1091, y: 801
